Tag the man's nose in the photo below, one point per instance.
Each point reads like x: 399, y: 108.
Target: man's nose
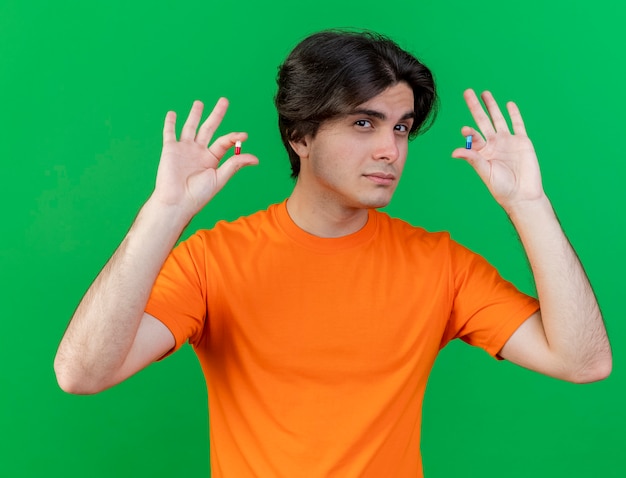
x: 387, y: 147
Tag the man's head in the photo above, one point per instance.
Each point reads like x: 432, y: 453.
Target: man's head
x: 330, y: 73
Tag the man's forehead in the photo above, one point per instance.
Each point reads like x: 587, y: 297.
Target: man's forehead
x: 394, y: 95
x: 395, y: 98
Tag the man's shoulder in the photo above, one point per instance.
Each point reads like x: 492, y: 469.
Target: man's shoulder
x: 244, y: 225
x: 401, y: 228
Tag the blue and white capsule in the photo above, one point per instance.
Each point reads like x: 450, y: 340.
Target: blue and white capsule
x: 468, y: 142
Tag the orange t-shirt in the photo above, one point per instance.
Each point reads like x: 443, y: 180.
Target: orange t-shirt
x: 316, y: 351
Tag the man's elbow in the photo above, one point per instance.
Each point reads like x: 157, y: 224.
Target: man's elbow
x: 72, y: 382
x: 598, y: 370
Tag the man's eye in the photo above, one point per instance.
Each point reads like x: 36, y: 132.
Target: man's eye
x: 363, y: 123
x: 402, y: 128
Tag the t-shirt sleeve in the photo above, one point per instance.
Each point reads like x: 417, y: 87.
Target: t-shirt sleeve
x: 486, y: 309
x: 179, y: 297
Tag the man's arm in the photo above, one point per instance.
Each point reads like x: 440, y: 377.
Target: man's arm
x: 110, y: 337
x: 567, y: 338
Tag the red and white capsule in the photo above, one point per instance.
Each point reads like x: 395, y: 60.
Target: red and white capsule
x: 237, y: 147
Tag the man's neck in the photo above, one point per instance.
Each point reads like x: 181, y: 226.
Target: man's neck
x: 322, y: 216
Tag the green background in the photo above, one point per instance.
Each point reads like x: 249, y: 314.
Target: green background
x: 84, y: 88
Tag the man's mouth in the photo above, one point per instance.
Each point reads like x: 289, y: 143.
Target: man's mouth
x: 381, y: 178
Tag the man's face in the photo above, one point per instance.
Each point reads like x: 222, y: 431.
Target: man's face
x: 355, y: 161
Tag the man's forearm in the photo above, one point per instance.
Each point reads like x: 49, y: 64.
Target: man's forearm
x: 571, y: 317
x: 103, y: 328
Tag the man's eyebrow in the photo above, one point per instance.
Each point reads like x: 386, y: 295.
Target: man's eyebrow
x: 380, y: 115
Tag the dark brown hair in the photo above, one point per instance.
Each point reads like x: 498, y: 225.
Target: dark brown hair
x: 330, y: 73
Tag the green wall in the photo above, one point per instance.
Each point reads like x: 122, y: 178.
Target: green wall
x: 84, y: 87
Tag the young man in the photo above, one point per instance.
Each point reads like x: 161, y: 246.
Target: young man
x: 317, y: 321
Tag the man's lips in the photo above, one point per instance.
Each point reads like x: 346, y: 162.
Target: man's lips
x: 381, y: 178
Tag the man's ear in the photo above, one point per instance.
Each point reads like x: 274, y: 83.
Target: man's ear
x: 301, y: 147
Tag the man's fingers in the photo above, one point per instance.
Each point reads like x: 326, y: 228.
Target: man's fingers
x: 189, y: 128
x: 478, y: 113
x: 222, y: 144
x: 233, y: 164
x: 190, y: 131
x: 169, y: 128
x: 516, y: 119
x: 210, y: 125
x: 497, y: 118
x: 478, y: 141
x: 480, y: 164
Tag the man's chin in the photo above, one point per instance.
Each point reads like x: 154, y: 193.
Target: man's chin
x: 376, y: 203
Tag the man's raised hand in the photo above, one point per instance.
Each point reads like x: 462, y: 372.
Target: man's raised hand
x: 505, y: 161
x: 189, y: 175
